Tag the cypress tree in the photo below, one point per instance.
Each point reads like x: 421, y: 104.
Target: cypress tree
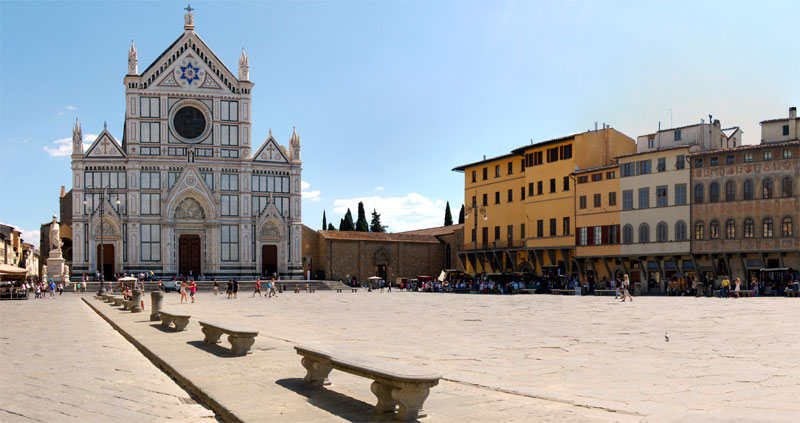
x: 347, y: 222
x: 461, y: 215
x: 361, y: 223
x: 324, y: 221
x: 375, y: 225
x: 448, y: 217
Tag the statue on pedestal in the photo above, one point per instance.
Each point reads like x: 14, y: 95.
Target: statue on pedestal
x: 55, y: 235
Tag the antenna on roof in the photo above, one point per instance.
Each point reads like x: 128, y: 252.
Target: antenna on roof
x: 670, y: 118
x: 531, y: 141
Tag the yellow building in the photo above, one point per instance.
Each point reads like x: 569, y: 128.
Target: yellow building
x: 520, y: 207
x: 597, y: 222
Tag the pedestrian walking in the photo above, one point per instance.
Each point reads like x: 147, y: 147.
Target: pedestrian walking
x: 737, y: 287
x: 257, y: 288
x: 617, y: 285
x: 193, y: 289
x: 271, y: 286
x: 230, y: 289
x: 183, y: 292
x: 389, y: 287
x: 216, y: 287
x: 60, y: 288
x: 235, y: 288
x: 726, y: 286
x: 626, y: 289
x: 52, y: 289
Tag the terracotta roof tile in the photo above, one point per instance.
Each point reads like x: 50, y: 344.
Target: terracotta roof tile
x: 378, y: 237
x: 747, y: 147
x: 437, y: 231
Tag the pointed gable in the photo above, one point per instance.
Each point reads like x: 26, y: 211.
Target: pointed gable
x: 105, y: 146
x: 190, y: 184
x: 270, y: 152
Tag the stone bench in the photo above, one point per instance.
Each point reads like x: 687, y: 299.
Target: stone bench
x: 792, y: 293
x: 241, y: 339
x: 395, y: 385
x: 525, y: 291
x: 127, y: 304
x: 563, y: 291
x: 168, y: 318
x: 117, y: 301
x: 605, y: 292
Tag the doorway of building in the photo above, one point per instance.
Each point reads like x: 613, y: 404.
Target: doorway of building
x: 269, y: 260
x: 189, y: 255
x: 107, y: 259
x: 382, y: 272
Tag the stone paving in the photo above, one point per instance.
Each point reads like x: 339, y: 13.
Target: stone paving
x: 59, y: 362
x: 504, y: 358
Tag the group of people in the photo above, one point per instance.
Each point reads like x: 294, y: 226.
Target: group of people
x: 271, y: 288
x: 190, y: 287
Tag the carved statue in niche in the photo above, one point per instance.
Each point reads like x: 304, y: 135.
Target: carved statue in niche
x: 190, y: 209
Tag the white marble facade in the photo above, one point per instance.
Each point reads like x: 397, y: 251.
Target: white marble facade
x: 191, y: 195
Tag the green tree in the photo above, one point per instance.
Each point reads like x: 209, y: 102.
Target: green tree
x: 331, y: 227
x: 375, y: 225
x: 361, y: 223
x: 448, y: 217
x: 461, y: 215
x: 324, y: 221
x: 346, y: 223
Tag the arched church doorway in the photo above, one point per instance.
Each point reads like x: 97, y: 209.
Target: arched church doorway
x: 189, y: 255
x: 269, y: 260
x: 105, y: 255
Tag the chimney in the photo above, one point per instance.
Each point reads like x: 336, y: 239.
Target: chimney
x: 792, y: 113
x: 63, y: 192
x: 595, y: 126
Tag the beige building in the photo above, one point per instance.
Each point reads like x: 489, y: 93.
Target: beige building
x: 782, y: 129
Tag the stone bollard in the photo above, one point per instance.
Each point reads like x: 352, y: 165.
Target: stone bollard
x: 136, y: 300
x: 156, y: 297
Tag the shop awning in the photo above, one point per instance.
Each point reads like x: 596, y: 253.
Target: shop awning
x: 9, y: 270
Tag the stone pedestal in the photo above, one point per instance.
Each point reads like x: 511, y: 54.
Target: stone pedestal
x: 156, y: 298
x: 136, y: 299
x: 56, y: 270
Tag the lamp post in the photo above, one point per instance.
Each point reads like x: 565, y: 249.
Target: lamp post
x: 103, y: 196
x: 475, y: 209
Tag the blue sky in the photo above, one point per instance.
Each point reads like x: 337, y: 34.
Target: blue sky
x: 389, y: 96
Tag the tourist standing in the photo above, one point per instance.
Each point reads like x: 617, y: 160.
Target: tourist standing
x: 235, y: 288
x: 754, y: 287
x: 626, y: 293
x: 726, y: 286
x: 737, y: 287
x: 183, y: 292
x: 617, y: 284
x: 52, y: 289
x: 193, y: 289
x: 257, y: 288
x: 60, y: 288
x: 230, y: 289
x: 216, y: 287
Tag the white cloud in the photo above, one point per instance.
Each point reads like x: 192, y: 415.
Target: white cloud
x: 308, y: 195
x: 379, y: 189
x: 63, y: 112
x: 70, y: 107
x: 414, y: 211
x: 31, y: 237
x: 63, y: 147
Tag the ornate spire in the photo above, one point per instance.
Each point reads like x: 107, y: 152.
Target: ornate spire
x: 77, y: 138
x: 188, y: 18
x: 244, y: 67
x: 133, y: 60
x: 294, y: 145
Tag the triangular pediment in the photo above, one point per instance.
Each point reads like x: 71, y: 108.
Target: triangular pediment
x: 105, y: 146
x: 190, y: 185
x: 271, y: 152
x: 190, y: 64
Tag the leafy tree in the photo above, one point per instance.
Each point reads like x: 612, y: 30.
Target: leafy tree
x: 346, y: 223
x: 461, y: 215
x: 448, y: 217
x: 361, y: 223
x: 331, y: 227
x: 324, y: 221
x: 375, y: 225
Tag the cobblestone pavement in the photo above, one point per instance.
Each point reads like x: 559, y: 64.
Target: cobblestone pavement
x: 60, y: 362
x: 504, y: 358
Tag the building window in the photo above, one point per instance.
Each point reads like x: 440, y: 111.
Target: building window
x: 510, y: 168
x: 530, y: 189
x: 612, y: 199
x: 552, y: 155
x: 522, y: 193
x: 522, y: 231
x: 644, y: 198
x: 730, y: 229
x: 662, y: 232
x: 767, y: 228
x: 583, y: 235
x: 540, y: 188
x: 229, y: 135
x: 645, y: 167
x: 496, y: 171
x: 661, y: 196
x: 150, y: 180
x: 680, y: 231
x: 714, y: 161
x: 497, y: 197
x: 149, y: 132
x: 582, y: 201
x: 662, y: 164
x: 229, y: 205
x: 699, y: 231
x: 510, y: 195
x: 698, y: 163
x: 172, y: 177
x: 566, y: 228
x: 496, y: 233
x: 229, y: 243
x: 713, y: 229
x: 680, y: 194
x: 474, y: 201
x: 749, y: 228
x: 208, y: 178
x: 644, y: 233
x: 627, y: 234
x: 565, y: 151
x: 510, y: 234
x: 680, y: 161
x: 730, y: 191
x: 766, y: 188
x: 748, y: 157
x: 229, y: 110
x: 748, y: 190
x: 626, y: 170
x: 677, y: 135
x: 540, y: 228
x: 651, y: 142
x: 730, y: 159
x: 767, y: 155
x: 150, y: 107
x: 583, y: 179
x: 611, y: 175
x: 485, y: 199
x: 597, y: 200
x: 612, y: 233
x: 627, y: 199
x: 786, y: 187
x: 474, y: 176
x: 485, y: 174
x: 785, y: 129
x: 553, y: 227
x: 713, y: 191
x: 151, y: 204
x: 566, y: 183
x: 552, y: 185
x: 786, y: 227
x: 229, y: 182
x: 151, y: 242
x: 787, y: 153
x: 597, y: 177
x: 598, y: 235
x: 698, y: 194
x: 474, y: 235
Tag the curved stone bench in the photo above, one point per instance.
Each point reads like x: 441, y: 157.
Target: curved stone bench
x: 394, y: 384
x: 241, y: 339
x: 128, y: 304
x: 179, y: 320
x: 117, y: 300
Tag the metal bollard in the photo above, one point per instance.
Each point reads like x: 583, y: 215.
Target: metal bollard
x: 136, y: 300
x: 156, y: 298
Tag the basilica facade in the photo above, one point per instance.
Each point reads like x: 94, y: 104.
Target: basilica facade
x: 182, y: 193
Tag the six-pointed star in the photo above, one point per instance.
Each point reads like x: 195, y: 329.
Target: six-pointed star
x: 189, y: 73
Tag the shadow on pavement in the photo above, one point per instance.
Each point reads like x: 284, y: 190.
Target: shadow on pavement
x: 217, y: 350
x: 348, y: 408
x: 160, y: 327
